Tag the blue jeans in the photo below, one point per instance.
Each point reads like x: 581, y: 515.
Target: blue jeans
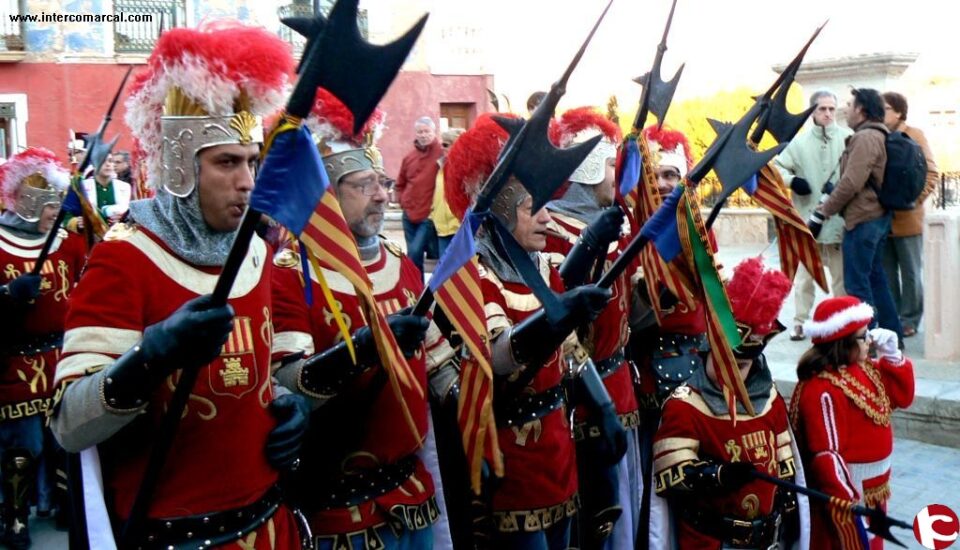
x: 442, y: 244
x: 555, y: 537
x: 421, y: 539
x: 421, y: 239
x: 863, y: 273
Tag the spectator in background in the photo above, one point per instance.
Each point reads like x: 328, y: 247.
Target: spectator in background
x: 415, y: 186
x: 444, y: 222
x: 534, y: 100
x: 865, y: 220
x: 109, y: 195
x: 121, y: 163
x: 810, y: 165
x: 903, y: 254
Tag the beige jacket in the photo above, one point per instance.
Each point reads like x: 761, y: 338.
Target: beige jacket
x: 907, y: 223
x: 865, y: 156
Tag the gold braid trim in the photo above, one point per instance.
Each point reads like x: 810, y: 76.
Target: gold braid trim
x: 540, y: 519
x: 876, y: 405
x: 875, y: 496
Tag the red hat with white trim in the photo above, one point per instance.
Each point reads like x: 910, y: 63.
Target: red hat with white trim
x: 836, y: 318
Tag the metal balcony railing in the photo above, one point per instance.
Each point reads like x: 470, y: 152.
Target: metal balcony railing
x: 140, y: 36
x: 306, y: 8
x: 11, y: 32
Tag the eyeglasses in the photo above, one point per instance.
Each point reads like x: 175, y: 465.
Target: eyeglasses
x: 371, y: 185
x: 669, y: 175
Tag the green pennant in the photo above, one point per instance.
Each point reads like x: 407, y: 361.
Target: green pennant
x: 712, y: 285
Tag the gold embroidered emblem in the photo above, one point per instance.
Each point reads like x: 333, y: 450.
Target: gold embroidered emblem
x: 329, y: 319
x: 237, y: 373
x: 11, y: 272
x: 45, y: 284
x: 523, y: 432
x: 233, y: 373
x: 733, y: 450
x: 758, y: 444
x: 243, y: 123
x: 63, y: 270
x: 38, y: 382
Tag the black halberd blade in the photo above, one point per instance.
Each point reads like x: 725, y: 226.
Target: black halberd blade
x: 337, y: 53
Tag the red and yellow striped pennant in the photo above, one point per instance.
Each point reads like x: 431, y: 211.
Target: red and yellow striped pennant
x: 328, y: 236
x: 797, y: 245
x: 655, y: 269
x: 462, y: 300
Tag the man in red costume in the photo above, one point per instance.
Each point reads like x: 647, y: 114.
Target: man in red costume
x: 143, y: 311
x: 364, y: 483
x: 534, y: 503
x: 702, y: 459
x: 841, y: 410
x: 604, y: 491
x: 31, y: 330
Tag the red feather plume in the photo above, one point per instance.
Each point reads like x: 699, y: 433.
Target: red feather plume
x: 757, y: 295
x: 668, y: 139
x: 470, y: 160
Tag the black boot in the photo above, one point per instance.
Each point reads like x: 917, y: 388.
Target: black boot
x: 17, y: 480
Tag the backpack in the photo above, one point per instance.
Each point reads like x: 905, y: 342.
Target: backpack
x: 904, y: 175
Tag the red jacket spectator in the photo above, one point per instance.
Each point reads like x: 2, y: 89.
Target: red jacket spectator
x: 417, y: 178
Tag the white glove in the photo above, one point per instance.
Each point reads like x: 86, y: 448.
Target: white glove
x: 886, y: 343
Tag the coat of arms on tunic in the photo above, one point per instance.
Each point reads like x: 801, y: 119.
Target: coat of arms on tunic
x: 235, y: 373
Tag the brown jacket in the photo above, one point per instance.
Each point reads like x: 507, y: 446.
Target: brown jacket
x: 865, y: 156
x: 907, y: 223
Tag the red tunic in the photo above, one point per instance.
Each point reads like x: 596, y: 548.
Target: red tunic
x: 217, y: 460
x: 540, y: 475
x: 386, y: 437
x: 26, y: 381
x: 842, y: 421
x: 690, y: 431
x: 610, y: 331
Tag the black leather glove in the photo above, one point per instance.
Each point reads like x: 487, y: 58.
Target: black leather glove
x: 292, y: 412
x: 592, y: 244
x: 800, y: 186
x: 409, y: 330
x: 815, y: 223
x: 323, y: 374
x: 21, y: 290
x: 611, y: 442
x: 714, y: 476
x: 190, y: 337
x: 734, y: 475
x: 827, y: 188
x: 606, y: 228
x: 535, y: 338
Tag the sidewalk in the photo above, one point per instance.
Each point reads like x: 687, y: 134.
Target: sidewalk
x: 934, y: 416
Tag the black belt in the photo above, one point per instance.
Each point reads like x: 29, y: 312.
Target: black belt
x: 527, y: 407
x: 353, y: 489
x: 608, y: 366
x: 36, y: 343
x: 213, y: 529
x: 760, y: 532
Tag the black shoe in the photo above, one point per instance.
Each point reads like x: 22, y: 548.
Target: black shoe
x: 17, y: 535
